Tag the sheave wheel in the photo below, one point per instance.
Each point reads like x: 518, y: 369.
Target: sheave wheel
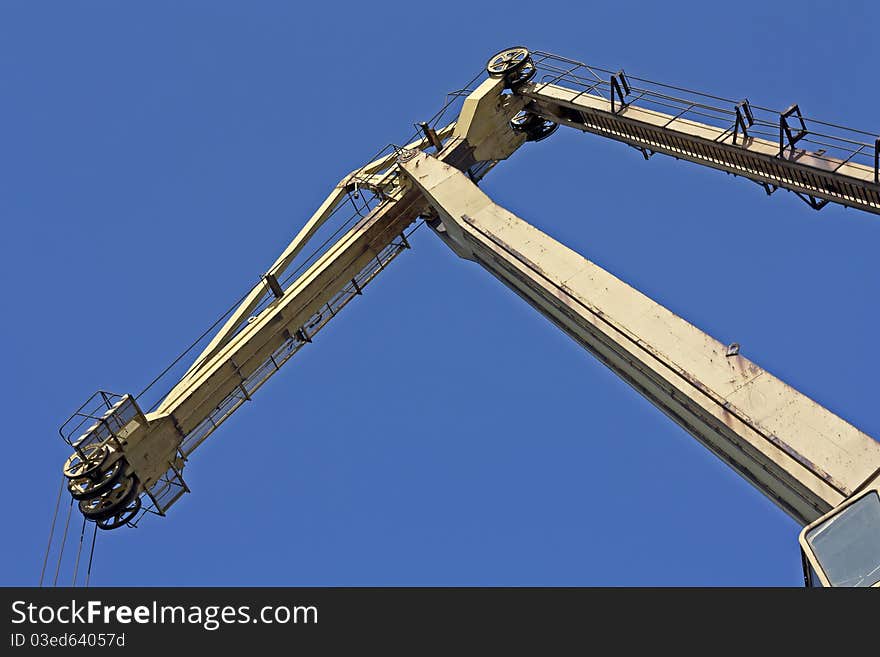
x: 96, y: 483
x: 121, y: 517
x: 85, y: 464
x: 111, y: 501
x: 507, y: 61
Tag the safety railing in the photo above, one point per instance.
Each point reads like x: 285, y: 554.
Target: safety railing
x: 290, y: 346
x: 835, y: 144
x: 100, y: 418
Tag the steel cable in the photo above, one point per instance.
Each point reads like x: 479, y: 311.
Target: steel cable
x: 52, y: 531
x: 82, y: 533
x: 91, y: 555
x: 63, y: 543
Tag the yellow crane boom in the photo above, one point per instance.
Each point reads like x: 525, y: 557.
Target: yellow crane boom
x: 821, y: 470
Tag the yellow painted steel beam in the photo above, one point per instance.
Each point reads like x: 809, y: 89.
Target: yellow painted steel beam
x: 369, y: 176
x: 795, y: 169
x: 803, y: 457
x: 799, y: 454
x: 248, y: 349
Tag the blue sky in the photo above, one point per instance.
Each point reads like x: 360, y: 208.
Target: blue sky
x: 155, y: 160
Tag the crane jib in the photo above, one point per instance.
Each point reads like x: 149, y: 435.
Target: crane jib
x: 821, y: 470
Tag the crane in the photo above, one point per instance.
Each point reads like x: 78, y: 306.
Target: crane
x: 822, y: 471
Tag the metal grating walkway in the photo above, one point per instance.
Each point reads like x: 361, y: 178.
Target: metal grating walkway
x: 819, y: 161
